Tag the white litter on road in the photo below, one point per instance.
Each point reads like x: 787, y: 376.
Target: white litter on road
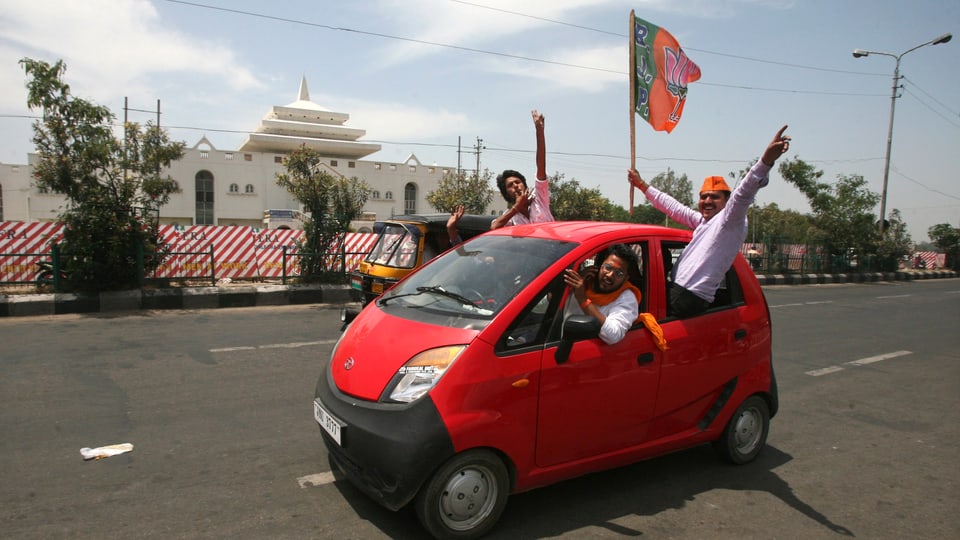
x: 315, y: 480
x: 105, y: 451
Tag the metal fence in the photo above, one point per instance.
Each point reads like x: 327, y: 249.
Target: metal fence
x: 48, y: 270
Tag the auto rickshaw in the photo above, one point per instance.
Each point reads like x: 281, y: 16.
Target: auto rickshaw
x: 405, y: 243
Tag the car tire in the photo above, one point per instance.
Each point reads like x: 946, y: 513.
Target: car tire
x: 746, y: 432
x: 465, y: 497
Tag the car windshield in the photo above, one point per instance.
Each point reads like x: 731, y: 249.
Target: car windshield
x: 474, y: 281
x: 396, y: 246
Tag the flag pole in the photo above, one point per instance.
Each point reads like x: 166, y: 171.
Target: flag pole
x: 631, y: 75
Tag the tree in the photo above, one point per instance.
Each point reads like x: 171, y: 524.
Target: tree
x: 569, y: 201
x: 947, y: 239
x: 895, y: 244
x: 332, y: 202
x: 114, y: 188
x: 472, y: 191
x: 769, y: 222
x: 678, y: 187
x: 842, y: 212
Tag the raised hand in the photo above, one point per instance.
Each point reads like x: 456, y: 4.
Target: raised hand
x: 777, y: 147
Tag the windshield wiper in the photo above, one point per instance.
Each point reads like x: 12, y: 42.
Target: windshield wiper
x: 382, y: 301
x: 436, y: 289
x: 443, y: 292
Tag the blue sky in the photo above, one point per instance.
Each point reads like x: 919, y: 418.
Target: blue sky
x: 419, y: 74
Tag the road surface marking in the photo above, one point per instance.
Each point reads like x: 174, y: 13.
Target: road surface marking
x: 878, y: 358
x: 820, y: 302
x: 786, y: 305
x: 824, y: 371
x: 316, y: 480
x: 896, y: 296
x: 293, y: 345
x: 860, y: 362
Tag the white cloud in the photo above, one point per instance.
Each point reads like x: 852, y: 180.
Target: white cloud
x: 400, y: 122
x: 111, y: 48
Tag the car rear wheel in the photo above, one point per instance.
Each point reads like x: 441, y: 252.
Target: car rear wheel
x: 465, y: 497
x: 746, y: 432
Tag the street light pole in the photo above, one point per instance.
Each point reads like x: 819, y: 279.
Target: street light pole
x: 858, y: 53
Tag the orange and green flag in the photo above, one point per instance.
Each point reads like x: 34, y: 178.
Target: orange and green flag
x: 661, y: 74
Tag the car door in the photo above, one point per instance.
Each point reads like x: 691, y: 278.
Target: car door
x: 703, y: 354
x: 602, y: 398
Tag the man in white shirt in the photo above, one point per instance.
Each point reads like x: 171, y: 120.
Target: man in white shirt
x: 603, y: 291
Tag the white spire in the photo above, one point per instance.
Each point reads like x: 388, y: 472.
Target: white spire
x: 304, y: 93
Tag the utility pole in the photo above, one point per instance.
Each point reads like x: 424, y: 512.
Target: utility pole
x: 478, y: 148
x: 459, y: 168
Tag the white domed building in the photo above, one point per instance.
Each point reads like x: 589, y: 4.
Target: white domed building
x: 238, y: 187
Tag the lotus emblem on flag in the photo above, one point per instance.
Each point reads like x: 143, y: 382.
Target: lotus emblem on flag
x: 348, y: 364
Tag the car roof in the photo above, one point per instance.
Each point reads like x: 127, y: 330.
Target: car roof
x: 580, y: 231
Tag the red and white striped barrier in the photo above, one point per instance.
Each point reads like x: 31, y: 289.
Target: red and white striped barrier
x: 270, y: 244
x: 929, y: 260
x: 23, y: 246
x: 238, y: 252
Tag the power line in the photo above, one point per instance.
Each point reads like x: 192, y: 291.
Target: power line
x: 622, y: 35
x: 389, y: 36
x: 924, y: 186
x: 503, y: 149
x: 527, y: 58
x: 934, y: 111
x: 917, y: 86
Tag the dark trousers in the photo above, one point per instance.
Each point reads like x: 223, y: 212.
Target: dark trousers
x: 685, y: 304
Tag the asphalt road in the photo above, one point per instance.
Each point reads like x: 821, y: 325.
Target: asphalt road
x: 217, y: 404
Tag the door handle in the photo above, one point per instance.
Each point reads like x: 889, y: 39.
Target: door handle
x: 645, y: 358
x: 739, y: 334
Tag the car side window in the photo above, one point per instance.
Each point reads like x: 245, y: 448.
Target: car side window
x: 730, y: 293
x: 531, y: 327
x: 637, y: 277
x: 669, y: 252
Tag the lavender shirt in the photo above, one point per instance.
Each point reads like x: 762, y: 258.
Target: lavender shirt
x: 716, y: 242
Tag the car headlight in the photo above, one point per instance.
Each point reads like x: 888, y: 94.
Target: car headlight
x: 421, y: 373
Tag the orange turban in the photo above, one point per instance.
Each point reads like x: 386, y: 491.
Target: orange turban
x: 714, y: 183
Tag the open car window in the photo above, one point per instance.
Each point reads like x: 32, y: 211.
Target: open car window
x: 729, y: 294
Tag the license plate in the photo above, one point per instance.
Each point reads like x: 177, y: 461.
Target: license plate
x: 377, y: 288
x: 331, y: 425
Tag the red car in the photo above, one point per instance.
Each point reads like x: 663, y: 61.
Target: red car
x: 465, y: 383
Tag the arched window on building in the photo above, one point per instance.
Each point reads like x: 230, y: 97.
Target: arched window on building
x: 248, y: 189
x: 410, y: 198
x: 204, y: 197
x: 388, y: 196
x: 375, y: 195
x: 234, y: 188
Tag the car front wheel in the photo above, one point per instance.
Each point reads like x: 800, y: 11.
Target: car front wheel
x: 465, y: 497
x: 746, y: 432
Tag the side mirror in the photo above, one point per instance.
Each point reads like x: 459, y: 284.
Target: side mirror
x: 576, y: 328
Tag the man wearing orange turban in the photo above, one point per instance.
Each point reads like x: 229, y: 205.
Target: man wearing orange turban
x: 719, y: 228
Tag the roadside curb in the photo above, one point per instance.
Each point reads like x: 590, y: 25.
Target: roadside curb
x: 189, y: 298
x: 870, y: 277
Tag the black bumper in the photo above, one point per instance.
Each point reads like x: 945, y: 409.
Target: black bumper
x: 387, y: 450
